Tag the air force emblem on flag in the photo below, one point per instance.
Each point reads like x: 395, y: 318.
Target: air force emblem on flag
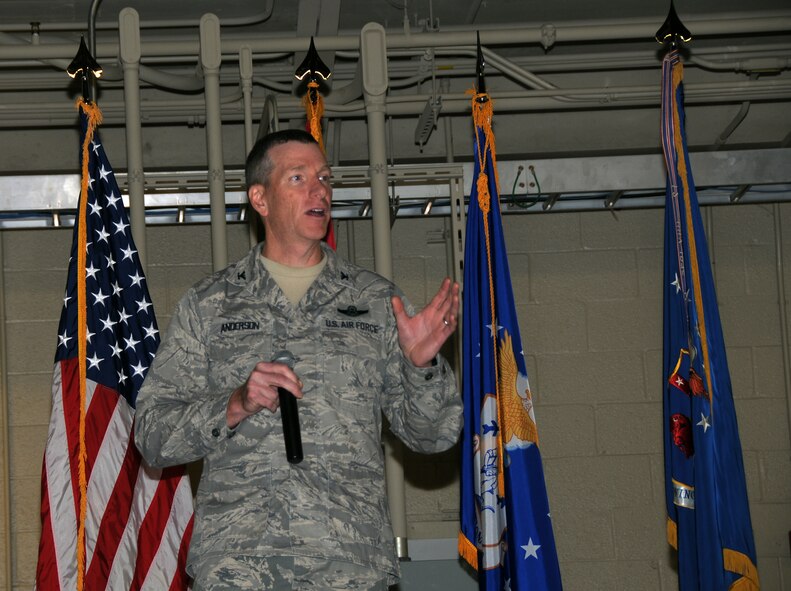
x: 519, y: 423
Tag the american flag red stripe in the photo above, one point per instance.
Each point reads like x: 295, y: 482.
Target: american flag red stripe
x: 181, y: 580
x: 46, y: 574
x: 109, y: 509
x: 139, y: 520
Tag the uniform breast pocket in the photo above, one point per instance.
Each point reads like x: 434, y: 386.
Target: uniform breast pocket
x: 353, y: 374
x: 233, y: 355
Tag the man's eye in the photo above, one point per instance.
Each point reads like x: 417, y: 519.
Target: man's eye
x: 296, y: 178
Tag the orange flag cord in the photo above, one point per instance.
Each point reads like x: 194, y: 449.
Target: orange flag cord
x: 94, y: 117
x: 678, y: 75
x: 314, y: 110
x: 482, y: 113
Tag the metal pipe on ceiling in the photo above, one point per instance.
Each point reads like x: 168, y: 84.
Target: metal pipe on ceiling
x: 374, y: 82
x: 713, y: 58
x: 246, y: 75
x: 129, y: 40
x: 183, y: 110
x: 210, y: 61
x: 566, y: 33
x: 145, y: 24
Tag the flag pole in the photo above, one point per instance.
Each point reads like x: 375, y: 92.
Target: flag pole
x: 86, y: 67
x: 672, y: 30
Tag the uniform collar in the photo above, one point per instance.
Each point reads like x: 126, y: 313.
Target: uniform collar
x: 250, y: 278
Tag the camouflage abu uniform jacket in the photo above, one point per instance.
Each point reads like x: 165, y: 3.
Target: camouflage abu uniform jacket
x: 251, y: 501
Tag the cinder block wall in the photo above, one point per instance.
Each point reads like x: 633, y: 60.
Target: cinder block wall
x: 588, y: 291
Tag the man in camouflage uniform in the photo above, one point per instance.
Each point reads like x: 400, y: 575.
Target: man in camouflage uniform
x: 211, y: 394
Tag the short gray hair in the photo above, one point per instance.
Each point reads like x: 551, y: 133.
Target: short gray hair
x: 259, y: 165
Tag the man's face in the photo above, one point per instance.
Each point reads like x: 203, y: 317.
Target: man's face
x: 295, y: 202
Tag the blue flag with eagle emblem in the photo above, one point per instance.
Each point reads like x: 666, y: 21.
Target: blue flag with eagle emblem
x: 506, y: 530
x: 706, y: 495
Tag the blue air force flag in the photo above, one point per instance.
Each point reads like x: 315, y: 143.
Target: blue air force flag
x: 708, y: 514
x: 506, y: 530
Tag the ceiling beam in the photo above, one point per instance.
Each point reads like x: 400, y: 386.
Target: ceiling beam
x: 560, y: 184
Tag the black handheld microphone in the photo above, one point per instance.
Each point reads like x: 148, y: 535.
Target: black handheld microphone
x: 289, y: 413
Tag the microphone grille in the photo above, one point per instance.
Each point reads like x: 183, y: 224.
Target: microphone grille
x: 285, y: 357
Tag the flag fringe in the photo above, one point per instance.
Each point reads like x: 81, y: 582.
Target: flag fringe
x: 94, y: 118
x: 733, y: 561
x: 672, y: 533
x: 468, y: 551
x: 740, y: 563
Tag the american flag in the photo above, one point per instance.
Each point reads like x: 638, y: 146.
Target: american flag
x: 108, y: 520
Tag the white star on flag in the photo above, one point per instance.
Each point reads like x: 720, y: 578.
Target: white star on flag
x: 128, y: 252
x: 131, y: 343
x: 103, y: 235
x: 151, y: 331
x: 492, y: 330
x: 94, y: 361
x: 136, y: 278
x: 143, y: 305
x: 704, y: 422
x: 107, y: 324
x: 64, y: 339
x: 123, y: 316
x: 91, y: 271
x: 112, y: 200
x: 99, y: 297
x: 531, y: 549
x: 140, y: 369
x: 677, y: 284
x: 121, y: 227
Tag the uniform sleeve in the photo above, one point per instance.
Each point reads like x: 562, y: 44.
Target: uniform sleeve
x: 423, y: 405
x: 178, y: 420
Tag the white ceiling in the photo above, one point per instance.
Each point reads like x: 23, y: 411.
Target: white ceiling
x: 593, y: 92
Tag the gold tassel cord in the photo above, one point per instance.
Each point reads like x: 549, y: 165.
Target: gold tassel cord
x: 94, y: 117
x: 678, y: 75
x: 482, y: 113
x: 314, y: 111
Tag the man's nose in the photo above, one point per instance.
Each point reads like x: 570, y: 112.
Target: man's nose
x: 321, y: 189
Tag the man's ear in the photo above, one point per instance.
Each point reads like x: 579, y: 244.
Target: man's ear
x: 256, y: 194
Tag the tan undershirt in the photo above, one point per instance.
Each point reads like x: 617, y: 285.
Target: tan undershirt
x: 293, y: 281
